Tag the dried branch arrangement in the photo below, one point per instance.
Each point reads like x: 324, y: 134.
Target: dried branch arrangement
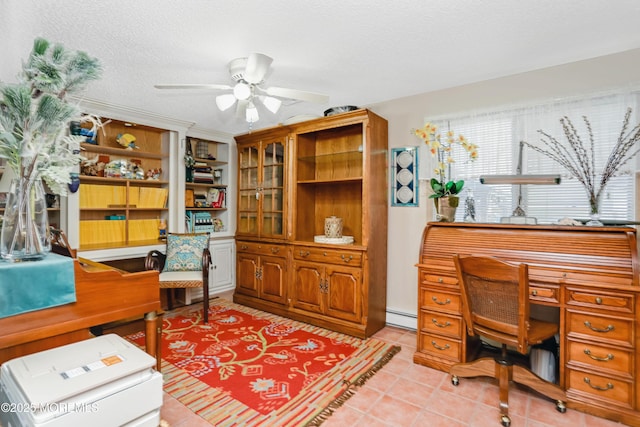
x: 578, y: 158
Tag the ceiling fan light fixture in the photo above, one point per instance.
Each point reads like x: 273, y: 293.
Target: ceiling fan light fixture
x: 242, y: 91
x: 272, y: 104
x: 224, y: 102
x: 252, y: 113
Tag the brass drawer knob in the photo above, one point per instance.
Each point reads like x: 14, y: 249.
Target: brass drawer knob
x: 608, y: 357
x: 534, y: 292
x: 440, y: 280
x: 609, y: 328
x: 304, y: 253
x: 446, y: 346
x: 598, y: 300
x: 445, y: 302
x: 346, y: 259
x: 609, y: 386
x: 275, y: 250
x: 440, y: 325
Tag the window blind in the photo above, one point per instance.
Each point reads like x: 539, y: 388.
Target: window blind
x: 498, y: 135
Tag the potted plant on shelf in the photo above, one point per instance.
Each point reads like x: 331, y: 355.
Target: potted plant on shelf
x: 36, y: 144
x: 445, y: 189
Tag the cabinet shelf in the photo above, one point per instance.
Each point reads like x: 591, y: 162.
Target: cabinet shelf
x: 203, y: 185
x: 210, y: 162
x: 101, y: 149
x: 206, y: 209
x: 329, y: 181
x: 123, y: 181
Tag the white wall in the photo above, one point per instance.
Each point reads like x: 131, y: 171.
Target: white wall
x: 407, y: 223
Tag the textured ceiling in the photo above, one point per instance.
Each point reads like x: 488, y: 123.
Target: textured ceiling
x: 358, y: 52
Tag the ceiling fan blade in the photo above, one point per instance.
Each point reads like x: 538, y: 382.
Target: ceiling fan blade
x: 257, y: 67
x: 297, y: 94
x: 192, y: 86
x: 241, y: 108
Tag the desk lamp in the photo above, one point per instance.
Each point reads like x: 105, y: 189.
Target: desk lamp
x: 519, y: 216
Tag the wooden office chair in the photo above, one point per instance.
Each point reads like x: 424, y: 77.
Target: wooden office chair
x: 495, y: 305
x: 185, y: 265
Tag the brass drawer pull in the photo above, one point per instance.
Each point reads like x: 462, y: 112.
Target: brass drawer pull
x: 446, y: 346
x: 600, y: 359
x: 598, y: 300
x: 304, y: 254
x: 609, y: 328
x: 440, y: 325
x: 345, y: 259
x: 609, y: 386
x: 440, y: 280
x: 275, y: 250
x: 244, y: 247
x: 445, y: 302
x: 534, y: 292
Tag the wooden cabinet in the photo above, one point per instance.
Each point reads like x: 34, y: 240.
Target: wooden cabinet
x: 588, y: 275
x: 262, y: 169
x: 292, y: 178
x: 118, y: 205
x: 320, y: 286
x: 261, y: 272
x: 206, y: 187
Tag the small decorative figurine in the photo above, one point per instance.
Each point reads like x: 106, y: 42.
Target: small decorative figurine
x: 127, y: 140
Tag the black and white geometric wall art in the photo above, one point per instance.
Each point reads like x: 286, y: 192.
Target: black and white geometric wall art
x: 404, y: 176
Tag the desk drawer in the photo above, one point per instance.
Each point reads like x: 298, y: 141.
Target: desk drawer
x: 544, y: 294
x: 439, y: 300
x: 601, y: 328
x: 433, y: 277
x: 600, y: 358
x: 343, y: 257
x: 440, y: 346
x: 619, y: 302
x: 602, y: 388
x: 438, y: 323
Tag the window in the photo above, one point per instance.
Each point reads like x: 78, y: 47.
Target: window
x: 498, y: 135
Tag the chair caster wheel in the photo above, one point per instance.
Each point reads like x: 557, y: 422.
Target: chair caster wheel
x: 454, y: 380
x: 505, y: 420
x: 560, y: 406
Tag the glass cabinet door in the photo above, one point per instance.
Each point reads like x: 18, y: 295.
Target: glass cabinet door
x: 272, y: 189
x: 248, y: 194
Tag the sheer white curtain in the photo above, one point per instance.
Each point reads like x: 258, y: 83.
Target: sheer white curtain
x: 498, y: 135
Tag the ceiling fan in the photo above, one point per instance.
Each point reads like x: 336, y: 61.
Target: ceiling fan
x: 249, y: 74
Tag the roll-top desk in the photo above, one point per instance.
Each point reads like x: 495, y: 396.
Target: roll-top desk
x: 589, y: 273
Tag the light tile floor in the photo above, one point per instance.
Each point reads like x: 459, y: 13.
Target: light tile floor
x: 405, y: 394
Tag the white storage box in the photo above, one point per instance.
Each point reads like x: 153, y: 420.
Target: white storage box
x: 101, y: 382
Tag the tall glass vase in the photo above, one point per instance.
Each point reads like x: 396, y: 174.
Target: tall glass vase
x: 594, y: 210
x: 25, y: 229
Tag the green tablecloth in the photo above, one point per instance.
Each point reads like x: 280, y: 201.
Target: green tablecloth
x: 35, y: 285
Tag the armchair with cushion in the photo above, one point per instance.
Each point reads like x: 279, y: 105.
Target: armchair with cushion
x: 185, y: 265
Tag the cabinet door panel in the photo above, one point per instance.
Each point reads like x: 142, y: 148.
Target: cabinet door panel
x: 273, y: 279
x: 247, y: 277
x: 222, y: 266
x: 344, y: 293
x: 306, y: 289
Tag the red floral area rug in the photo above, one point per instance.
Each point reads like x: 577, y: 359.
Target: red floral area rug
x: 251, y: 368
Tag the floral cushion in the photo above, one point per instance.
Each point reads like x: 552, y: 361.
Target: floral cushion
x: 184, y: 251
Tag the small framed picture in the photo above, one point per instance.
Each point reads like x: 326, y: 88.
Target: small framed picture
x: 404, y: 176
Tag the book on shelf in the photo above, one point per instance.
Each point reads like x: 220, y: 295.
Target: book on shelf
x: 196, y: 222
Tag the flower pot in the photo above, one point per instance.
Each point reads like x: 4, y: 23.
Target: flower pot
x: 446, y: 208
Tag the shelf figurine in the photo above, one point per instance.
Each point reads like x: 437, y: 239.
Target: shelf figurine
x: 127, y: 140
